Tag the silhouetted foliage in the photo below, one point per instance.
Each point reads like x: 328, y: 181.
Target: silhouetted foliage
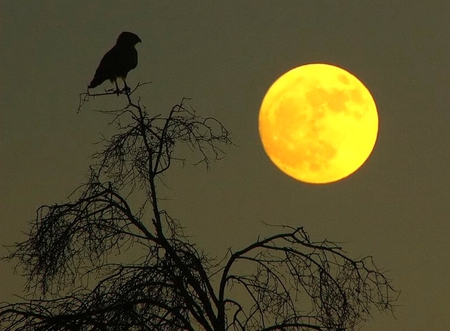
x: 73, y: 266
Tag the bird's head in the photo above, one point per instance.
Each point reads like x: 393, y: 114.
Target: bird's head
x: 128, y: 38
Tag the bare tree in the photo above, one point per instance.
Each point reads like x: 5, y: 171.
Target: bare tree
x: 75, y: 272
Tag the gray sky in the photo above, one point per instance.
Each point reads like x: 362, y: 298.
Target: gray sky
x: 225, y: 55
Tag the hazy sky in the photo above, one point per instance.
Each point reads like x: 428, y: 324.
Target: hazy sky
x: 225, y: 55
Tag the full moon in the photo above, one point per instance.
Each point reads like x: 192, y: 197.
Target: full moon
x: 318, y: 123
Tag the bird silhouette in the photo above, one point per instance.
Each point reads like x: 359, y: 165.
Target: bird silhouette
x: 118, y: 61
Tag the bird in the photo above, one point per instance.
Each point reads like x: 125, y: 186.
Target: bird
x: 118, y: 61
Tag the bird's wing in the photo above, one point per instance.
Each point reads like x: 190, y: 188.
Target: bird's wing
x: 107, y: 67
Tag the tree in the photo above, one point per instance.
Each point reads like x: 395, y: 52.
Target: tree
x: 75, y: 273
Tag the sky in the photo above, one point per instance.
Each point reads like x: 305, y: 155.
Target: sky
x: 224, y: 55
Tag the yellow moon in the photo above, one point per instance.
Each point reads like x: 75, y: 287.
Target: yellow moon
x: 318, y: 123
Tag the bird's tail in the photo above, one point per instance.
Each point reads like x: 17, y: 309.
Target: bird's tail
x: 95, y: 82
